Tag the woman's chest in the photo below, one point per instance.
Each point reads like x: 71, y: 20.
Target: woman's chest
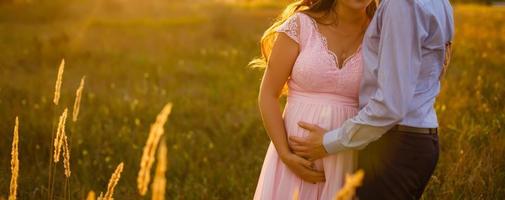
x: 315, y: 70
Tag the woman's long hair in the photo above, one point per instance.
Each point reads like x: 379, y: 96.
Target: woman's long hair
x: 311, y: 6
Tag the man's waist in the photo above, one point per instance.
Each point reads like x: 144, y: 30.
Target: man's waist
x: 412, y: 129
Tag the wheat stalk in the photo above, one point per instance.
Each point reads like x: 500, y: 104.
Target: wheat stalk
x: 60, y: 134
x: 351, y: 183
x: 59, y: 81
x: 91, y: 195
x: 66, y: 156
x: 100, y: 197
x: 113, y: 182
x: 160, y: 181
x: 14, y: 162
x: 153, y: 139
x: 77, y: 102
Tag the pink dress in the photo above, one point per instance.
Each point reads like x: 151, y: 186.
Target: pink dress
x: 319, y: 93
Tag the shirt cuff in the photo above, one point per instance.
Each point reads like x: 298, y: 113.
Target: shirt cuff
x: 331, y: 143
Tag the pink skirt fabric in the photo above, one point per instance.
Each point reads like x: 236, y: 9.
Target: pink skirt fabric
x: 277, y: 181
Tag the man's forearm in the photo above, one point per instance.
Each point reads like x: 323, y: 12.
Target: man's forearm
x: 397, y: 67
x: 351, y: 135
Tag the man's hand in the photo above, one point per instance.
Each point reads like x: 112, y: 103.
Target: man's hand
x: 310, y: 147
x: 303, y: 168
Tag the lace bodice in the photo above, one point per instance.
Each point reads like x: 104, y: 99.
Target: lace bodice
x: 315, y: 69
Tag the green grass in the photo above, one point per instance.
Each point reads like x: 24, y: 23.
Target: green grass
x: 139, y: 55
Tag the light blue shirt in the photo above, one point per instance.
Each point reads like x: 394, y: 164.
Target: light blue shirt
x: 403, y: 51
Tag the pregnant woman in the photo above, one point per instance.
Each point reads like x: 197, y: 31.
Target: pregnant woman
x: 315, y: 49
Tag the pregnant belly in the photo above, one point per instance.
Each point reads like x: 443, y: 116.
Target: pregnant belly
x: 325, y: 115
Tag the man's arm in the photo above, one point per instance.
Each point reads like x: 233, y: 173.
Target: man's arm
x: 399, y: 63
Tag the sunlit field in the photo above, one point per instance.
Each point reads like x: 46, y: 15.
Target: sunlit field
x: 139, y: 55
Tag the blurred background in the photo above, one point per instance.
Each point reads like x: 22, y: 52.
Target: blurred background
x: 137, y: 55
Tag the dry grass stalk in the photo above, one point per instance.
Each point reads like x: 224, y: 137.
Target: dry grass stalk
x: 159, y: 183
x: 77, y: 102
x: 351, y: 183
x: 60, y: 134
x: 66, y: 156
x: 59, y: 81
x: 113, y: 182
x: 14, y: 162
x: 91, y: 195
x: 153, y: 139
x: 100, y: 197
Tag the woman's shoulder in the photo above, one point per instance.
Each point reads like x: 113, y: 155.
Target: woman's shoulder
x: 317, y: 16
x: 302, y: 18
x: 298, y: 26
x: 303, y: 14
x: 311, y: 14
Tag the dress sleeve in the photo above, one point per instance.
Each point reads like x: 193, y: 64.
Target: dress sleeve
x: 291, y: 28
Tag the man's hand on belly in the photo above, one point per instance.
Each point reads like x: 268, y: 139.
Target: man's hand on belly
x: 310, y: 147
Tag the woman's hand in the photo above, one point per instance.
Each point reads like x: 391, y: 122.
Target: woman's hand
x: 303, y: 168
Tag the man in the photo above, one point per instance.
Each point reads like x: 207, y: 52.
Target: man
x: 405, y: 50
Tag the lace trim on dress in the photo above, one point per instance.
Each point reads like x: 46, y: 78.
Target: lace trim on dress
x: 334, y: 57
x: 290, y: 28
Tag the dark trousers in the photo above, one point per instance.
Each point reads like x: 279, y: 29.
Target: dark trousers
x: 397, y: 166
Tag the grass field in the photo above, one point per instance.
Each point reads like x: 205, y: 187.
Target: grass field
x: 139, y: 55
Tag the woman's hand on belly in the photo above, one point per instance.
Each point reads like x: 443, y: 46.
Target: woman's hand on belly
x: 303, y: 168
